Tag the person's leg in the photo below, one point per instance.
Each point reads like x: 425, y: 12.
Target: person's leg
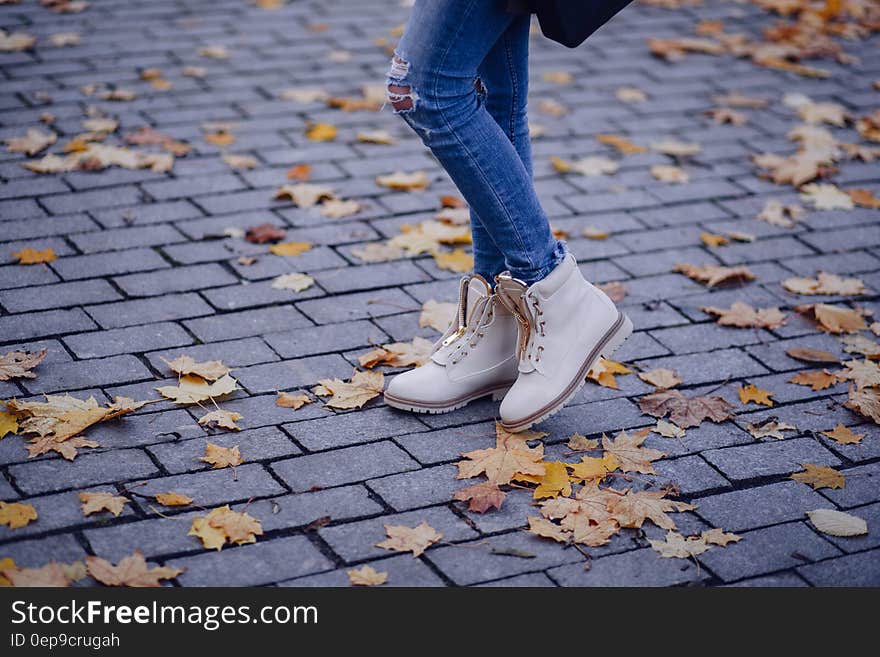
x: 503, y: 84
x: 434, y: 85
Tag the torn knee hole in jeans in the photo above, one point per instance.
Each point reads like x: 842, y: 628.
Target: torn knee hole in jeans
x: 400, y: 94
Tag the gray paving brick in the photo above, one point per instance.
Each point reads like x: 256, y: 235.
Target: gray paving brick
x: 142, y: 311
x: 853, y: 569
x: 82, y: 374
x: 217, y: 486
x: 12, y: 276
x: 862, y: 486
x: 126, y: 238
x: 179, y: 279
x: 36, y: 553
x: 246, y: 323
x: 120, y: 341
x: 756, y: 507
x: 234, y: 353
x: 359, y: 305
x: 106, y: 264
x: 41, y: 324
x: 46, y: 475
x: 298, y: 510
x: 343, y: 466
x: 254, y: 445
x: 769, y: 457
x: 352, y: 428
x: 785, y: 579
x: 636, y: 568
x: 410, y: 490
x: 766, y: 550
x: 252, y: 565
x: 271, y: 377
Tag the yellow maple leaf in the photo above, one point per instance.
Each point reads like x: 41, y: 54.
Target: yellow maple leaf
x: 457, y: 260
x: 15, y: 515
x: 8, y: 423
x: 593, y: 469
x: 290, y: 248
x: 844, y: 435
x: 752, y: 393
x: 321, y: 132
x: 366, y: 576
x: 819, y: 476
x: 554, y: 481
x: 102, y: 501
x: 221, y: 457
x: 410, y: 539
x: 28, y: 256
x: 224, y: 525
x: 173, y: 499
x: 194, y: 389
x: 361, y: 388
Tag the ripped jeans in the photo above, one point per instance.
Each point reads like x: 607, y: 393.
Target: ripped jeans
x: 459, y: 78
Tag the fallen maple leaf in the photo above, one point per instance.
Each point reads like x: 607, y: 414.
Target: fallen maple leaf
x: 779, y: 214
x: 361, y: 388
x: 843, y: 435
x: 713, y: 275
x: 554, y: 481
x: 675, y: 147
x: 457, y: 260
x: 593, y: 469
x: 410, y: 539
x: 321, y: 132
x: 837, y: 523
x: 628, y: 451
x: 264, y: 233
x: 288, y: 400
x: 817, y: 380
x: 438, y: 315
x: 405, y: 181
x: 295, y: 281
x: 34, y: 141
x: 221, y: 457
x: 8, y: 423
x: 224, y: 525
x: 304, y: 195
x: 511, y: 455
x: 833, y: 319
x: 173, y: 499
x: 375, y: 137
x: 15, y: 515
x: 579, y: 443
x: 668, y: 430
x: 210, y: 370
x: 615, y: 290
x: 18, y: 364
x: 366, y: 576
x: 588, y: 166
x: 28, y: 256
x: 131, y: 571
x: 290, y: 248
x: 864, y: 198
x: 743, y: 315
x: 752, y: 393
x: 194, y: 389
x: 337, y: 208
x: 631, y: 509
x: 678, y: 547
x: 102, y: 501
x: 713, y: 239
x: 826, y: 197
x: 548, y: 529
x: 864, y: 374
x: 604, y: 371
x: 769, y: 428
x: 819, y: 476
x: 242, y: 162
x: 670, y: 174
x: 399, y: 354
x: 50, y: 575
x: 684, y: 411
x: 859, y: 344
x: 622, y: 144
x: 147, y: 136
x: 221, y: 418
x: 482, y: 496
x: 661, y: 378
x: 825, y: 283
x: 865, y: 401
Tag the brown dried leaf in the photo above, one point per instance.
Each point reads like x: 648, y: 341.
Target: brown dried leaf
x: 18, y: 364
x: 102, y: 501
x: 684, y: 411
x: 131, y: 571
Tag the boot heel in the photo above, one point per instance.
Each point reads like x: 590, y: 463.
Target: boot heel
x: 617, y: 340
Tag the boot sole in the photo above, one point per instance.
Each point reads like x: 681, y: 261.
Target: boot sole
x: 497, y: 393
x: 610, y: 343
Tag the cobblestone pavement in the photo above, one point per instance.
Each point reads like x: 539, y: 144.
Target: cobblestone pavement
x: 144, y: 272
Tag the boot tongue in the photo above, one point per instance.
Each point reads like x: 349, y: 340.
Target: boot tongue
x: 477, y: 289
x: 511, y: 292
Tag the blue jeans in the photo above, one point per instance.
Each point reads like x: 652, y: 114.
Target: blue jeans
x: 459, y: 78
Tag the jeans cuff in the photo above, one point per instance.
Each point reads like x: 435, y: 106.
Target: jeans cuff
x: 531, y: 276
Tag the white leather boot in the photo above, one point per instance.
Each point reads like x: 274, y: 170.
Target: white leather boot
x: 565, y: 325
x: 475, y: 357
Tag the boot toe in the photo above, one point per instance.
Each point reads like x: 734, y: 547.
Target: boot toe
x: 419, y: 384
